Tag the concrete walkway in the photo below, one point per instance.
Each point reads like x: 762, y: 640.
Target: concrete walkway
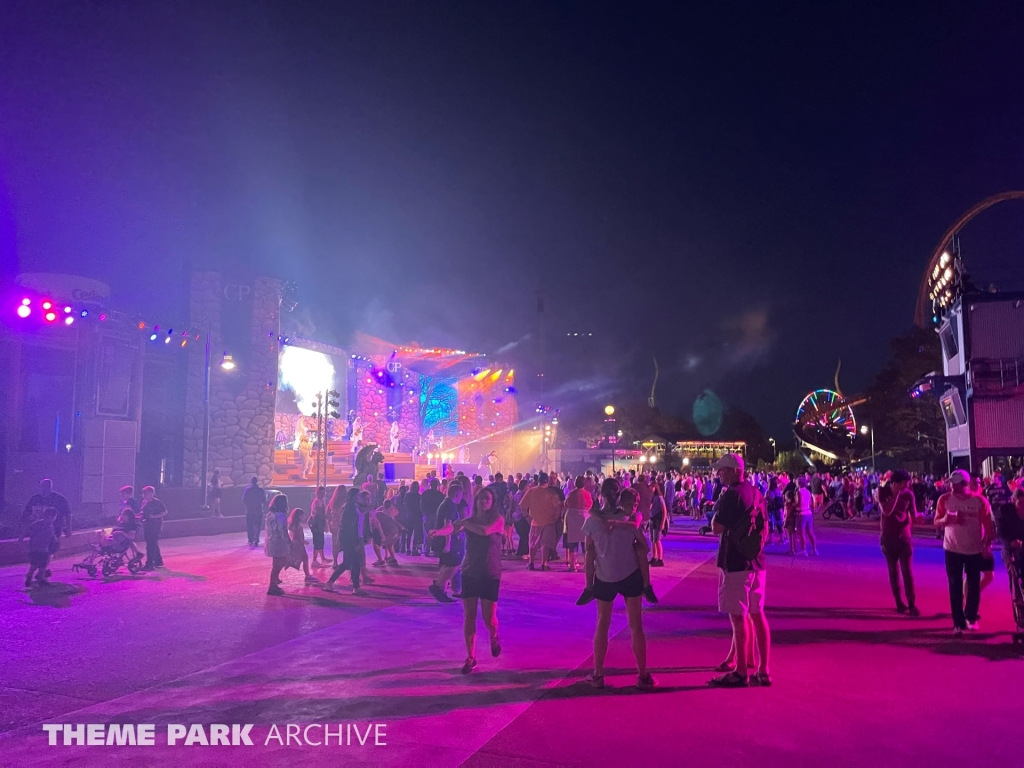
x: 856, y: 684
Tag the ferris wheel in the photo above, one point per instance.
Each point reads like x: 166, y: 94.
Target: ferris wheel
x: 826, y: 416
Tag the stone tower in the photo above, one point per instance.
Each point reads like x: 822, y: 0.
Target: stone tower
x: 242, y: 314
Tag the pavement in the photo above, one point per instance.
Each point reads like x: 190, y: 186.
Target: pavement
x: 200, y: 642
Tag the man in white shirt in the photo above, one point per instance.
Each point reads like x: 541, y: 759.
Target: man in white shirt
x: 967, y: 530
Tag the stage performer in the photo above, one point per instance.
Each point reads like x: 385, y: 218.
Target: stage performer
x: 355, y: 441
x: 394, y: 437
x: 488, y: 463
x: 302, y: 443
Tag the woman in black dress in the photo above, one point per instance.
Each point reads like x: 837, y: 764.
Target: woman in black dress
x: 481, y: 571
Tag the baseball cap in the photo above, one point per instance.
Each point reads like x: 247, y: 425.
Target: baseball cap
x: 959, y: 477
x: 730, y: 461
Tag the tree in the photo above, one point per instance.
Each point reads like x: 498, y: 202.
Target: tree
x: 740, y: 425
x: 791, y: 462
x: 906, y: 428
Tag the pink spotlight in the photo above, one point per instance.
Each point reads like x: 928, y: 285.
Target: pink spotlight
x: 24, y: 310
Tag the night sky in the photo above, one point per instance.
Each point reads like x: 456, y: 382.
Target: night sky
x: 746, y: 192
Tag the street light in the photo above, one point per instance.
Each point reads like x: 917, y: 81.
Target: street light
x: 609, y: 427
x: 865, y: 429
x: 775, y: 450
x: 227, y: 363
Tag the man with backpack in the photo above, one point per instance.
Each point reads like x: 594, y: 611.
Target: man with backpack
x: 742, y: 525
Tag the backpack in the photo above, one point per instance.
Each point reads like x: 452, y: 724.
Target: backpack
x: 750, y: 543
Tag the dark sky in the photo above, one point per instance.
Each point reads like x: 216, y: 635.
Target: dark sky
x: 746, y: 191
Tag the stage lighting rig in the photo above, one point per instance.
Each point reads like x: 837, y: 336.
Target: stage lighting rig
x: 289, y: 296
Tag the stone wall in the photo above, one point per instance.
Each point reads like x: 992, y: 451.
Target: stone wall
x: 242, y: 401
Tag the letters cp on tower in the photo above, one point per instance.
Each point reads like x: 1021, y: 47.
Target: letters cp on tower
x: 237, y: 292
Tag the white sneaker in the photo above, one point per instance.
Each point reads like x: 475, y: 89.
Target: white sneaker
x: 973, y: 626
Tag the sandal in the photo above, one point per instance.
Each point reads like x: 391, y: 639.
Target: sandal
x: 731, y: 680
x: 761, y: 678
x: 469, y: 666
x: 725, y: 666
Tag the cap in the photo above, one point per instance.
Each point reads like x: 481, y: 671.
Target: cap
x: 959, y: 477
x: 730, y: 461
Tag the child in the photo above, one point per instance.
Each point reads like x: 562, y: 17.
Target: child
x: 610, y: 493
x: 42, y: 543
x: 317, y: 526
x: 389, y: 530
x: 297, y: 556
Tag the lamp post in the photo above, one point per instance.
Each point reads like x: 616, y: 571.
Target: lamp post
x: 865, y: 429
x: 609, y: 412
x: 775, y: 450
x: 227, y: 363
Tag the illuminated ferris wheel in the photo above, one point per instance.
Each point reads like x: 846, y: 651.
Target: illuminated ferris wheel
x: 825, y: 418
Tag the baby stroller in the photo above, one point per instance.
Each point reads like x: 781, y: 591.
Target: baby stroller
x: 1014, y: 556
x: 709, y: 512
x: 109, y: 553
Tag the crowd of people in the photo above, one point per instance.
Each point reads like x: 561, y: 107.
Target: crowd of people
x: 615, y: 525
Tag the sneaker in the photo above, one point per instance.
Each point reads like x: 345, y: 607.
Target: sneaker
x: 957, y: 632
x: 330, y: 588
x: 275, y: 591
x: 379, y: 563
x: 914, y: 610
x: 649, y: 595
x: 312, y: 579
x: 901, y: 608
x: 360, y: 592
x: 469, y: 666
x: 973, y: 626
x: 646, y: 682
x: 28, y: 581
x: 595, y: 680
x: 392, y: 561
x: 437, y: 592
